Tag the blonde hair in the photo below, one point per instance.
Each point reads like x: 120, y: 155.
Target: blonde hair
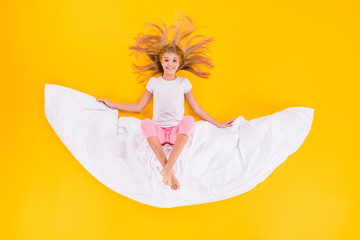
x: 155, y: 45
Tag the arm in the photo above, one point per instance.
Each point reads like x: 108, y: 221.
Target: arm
x: 136, y: 107
x: 197, y: 109
x: 132, y: 107
x: 144, y: 101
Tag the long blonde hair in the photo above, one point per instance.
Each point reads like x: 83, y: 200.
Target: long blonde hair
x: 155, y: 45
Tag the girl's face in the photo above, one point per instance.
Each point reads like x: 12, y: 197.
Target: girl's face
x: 170, y: 62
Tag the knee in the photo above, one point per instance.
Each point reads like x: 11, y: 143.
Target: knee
x: 148, y: 127
x: 187, y: 125
x: 146, y: 123
x: 189, y: 120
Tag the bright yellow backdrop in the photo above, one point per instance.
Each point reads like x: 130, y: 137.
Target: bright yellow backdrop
x: 268, y: 56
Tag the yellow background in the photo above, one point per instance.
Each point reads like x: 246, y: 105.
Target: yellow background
x: 268, y: 56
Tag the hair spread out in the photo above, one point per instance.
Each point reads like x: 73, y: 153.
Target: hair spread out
x: 154, y: 45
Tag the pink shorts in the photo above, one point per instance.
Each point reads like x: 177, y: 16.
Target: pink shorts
x: 167, y: 135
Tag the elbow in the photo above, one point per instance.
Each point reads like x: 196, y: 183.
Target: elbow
x: 197, y: 110
x: 139, y: 108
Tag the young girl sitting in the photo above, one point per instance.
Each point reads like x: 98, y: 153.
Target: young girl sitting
x: 169, y: 125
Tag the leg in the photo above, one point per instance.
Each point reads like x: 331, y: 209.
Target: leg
x: 155, y: 145
x: 185, y: 127
x: 175, y: 152
x: 167, y: 172
x: 150, y: 131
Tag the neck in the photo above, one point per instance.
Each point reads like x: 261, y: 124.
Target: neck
x: 169, y: 76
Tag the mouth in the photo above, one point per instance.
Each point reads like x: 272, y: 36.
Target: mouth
x: 170, y: 68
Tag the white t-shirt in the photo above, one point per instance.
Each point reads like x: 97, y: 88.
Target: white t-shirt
x: 168, y: 108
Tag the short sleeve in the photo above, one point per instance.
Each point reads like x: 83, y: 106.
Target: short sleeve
x: 188, y: 85
x: 150, y: 85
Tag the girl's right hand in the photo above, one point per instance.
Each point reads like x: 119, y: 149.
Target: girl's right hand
x: 107, y: 102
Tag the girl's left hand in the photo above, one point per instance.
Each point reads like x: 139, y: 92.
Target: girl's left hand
x: 226, y: 124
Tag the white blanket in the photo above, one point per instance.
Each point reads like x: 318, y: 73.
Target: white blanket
x: 215, y: 164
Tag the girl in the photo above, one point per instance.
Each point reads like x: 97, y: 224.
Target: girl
x: 169, y: 125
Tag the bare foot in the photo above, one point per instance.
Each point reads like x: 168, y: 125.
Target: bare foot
x: 175, y: 183
x: 166, y: 177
